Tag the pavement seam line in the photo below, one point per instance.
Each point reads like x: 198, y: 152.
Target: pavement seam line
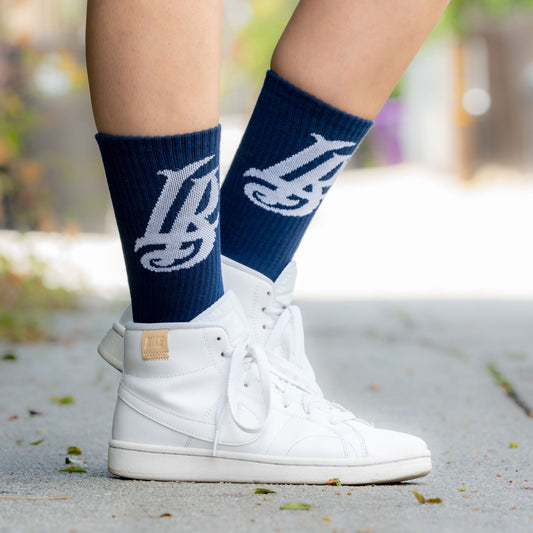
x: 506, y: 385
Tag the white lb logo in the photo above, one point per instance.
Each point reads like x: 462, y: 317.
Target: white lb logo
x: 302, y: 195
x: 192, y: 234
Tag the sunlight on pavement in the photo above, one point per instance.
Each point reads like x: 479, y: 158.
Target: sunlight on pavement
x: 393, y: 232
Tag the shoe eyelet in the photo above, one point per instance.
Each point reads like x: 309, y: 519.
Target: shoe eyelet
x: 245, y: 384
x: 264, y: 326
x: 263, y: 309
x: 269, y: 293
x: 222, y: 354
x: 219, y: 338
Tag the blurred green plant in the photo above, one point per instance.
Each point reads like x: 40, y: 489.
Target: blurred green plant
x: 460, y: 15
x: 256, y: 42
x: 25, y: 299
x: 23, y: 192
x: 28, y: 70
x: 252, y: 44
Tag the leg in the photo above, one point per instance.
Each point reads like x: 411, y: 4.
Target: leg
x: 202, y: 401
x: 154, y: 68
x: 154, y: 79
x: 336, y: 59
x: 358, y: 51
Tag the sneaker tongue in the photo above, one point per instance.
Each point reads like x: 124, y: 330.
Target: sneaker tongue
x: 284, y: 285
x: 226, y: 312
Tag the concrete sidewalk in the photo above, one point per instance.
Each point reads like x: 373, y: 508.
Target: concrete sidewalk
x: 419, y: 367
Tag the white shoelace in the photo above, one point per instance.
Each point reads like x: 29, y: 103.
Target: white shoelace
x: 286, y: 323
x: 295, y: 372
x: 243, y: 357
x: 301, y: 382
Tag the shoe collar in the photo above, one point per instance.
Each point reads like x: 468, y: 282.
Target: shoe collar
x: 284, y: 285
x: 282, y: 289
x: 226, y: 312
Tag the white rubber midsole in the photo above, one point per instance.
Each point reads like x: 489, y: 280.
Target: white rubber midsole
x: 167, y: 463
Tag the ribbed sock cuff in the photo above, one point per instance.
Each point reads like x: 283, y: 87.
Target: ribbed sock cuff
x: 313, y: 113
x: 138, y: 170
x: 263, y: 228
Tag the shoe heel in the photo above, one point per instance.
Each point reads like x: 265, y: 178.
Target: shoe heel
x: 162, y: 463
x: 134, y: 464
x: 111, y: 348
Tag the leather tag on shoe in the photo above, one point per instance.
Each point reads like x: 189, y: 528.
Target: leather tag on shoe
x: 155, y: 344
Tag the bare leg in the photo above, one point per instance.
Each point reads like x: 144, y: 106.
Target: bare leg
x: 350, y: 54
x: 154, y: 67
x: 152, y: 85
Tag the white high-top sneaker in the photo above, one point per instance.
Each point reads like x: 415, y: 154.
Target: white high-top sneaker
x: 274, y: 322
x: 198, y: 402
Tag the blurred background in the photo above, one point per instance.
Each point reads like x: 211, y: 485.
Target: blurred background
x: 437, y: 202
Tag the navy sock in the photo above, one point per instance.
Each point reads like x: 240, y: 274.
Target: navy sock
x: 293, y: 148
x: 165, y: 193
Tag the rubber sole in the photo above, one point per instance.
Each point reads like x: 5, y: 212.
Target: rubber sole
x: 166, y: 463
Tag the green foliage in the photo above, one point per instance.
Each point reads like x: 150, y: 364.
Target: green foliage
x: 73, y: 468
x: 24, y: 198
x: 423, y: 500
x: 460, y: 15
x: 21, y: 442
x: 16, y: 121
x: 296, y: 506
x: 25, y: 189
x: 73, y: 450
x: 63, y: 400
x: 24, y: 298
x: 262, y: 490
x: 255, y: 43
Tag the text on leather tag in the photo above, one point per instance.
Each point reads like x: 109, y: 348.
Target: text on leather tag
x: 155, y: 344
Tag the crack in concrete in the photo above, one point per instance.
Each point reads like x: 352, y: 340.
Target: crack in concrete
x: 506, y: 385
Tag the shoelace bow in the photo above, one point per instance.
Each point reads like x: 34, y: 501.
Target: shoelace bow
x: 298, y: 379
